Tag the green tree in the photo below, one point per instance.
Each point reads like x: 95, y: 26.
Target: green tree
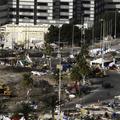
x: 3, y: 108
x: 27, y: 80
x: 24, y: 108
x: 66, y: 32
x: 52, y: 35
x: 75, y: 74
x: 82, y: 67
x: 48, y: 49
x: 84, y: 51
x: 48, y: 53
x: 50, y: 102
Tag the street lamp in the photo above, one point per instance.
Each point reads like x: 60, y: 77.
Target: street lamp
x: 103, y: 30
x: 115, y: 23
x: 80, y: 27
x: 73, y: 30
x: 60, y: 74
x: 26, y: 34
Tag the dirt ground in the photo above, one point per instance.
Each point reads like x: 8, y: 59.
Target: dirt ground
x: 13, y: 78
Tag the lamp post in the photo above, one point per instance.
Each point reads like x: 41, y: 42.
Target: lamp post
x: 60, y: 74
x: 13, y: 31
x: 73, y: 30
x: 93, y: 36
x: 103, y: 30
x: 115, y: 24
x: 26, y: 34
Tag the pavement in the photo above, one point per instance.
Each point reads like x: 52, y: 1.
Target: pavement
x: 100, y: 94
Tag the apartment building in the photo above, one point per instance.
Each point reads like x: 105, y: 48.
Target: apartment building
x: 84, y: 12
x: 103, y: 6
x: 40, y: 12
x: 108, y: 10
x: 88, y: 12
x: 3, y: 12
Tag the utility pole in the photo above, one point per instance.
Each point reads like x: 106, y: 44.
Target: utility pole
x: 115, y: 24
x: 60, y: 74
x: 73, y: 30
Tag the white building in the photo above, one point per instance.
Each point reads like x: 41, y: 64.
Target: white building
x: 27, y: 34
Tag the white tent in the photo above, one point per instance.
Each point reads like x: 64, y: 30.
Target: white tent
x: 22, y: 118
x: 95, y: 51
x: 100, y: 61
x: 40, y: 45
x: 53, y: 45
x: 4, y: 118
x: 71, y: 56
x: 111, y: 64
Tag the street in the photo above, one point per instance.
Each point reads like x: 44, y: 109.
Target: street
x: 101, y: 93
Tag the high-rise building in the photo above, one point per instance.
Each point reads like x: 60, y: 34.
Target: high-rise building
x: 108, y: 11
x: 88, y: 12
x: 3, y: 12
x: 41, y: 12
x: 102, y: 6
x: 51, y: 11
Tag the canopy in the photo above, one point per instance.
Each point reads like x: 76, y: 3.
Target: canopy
x: 100, y: 61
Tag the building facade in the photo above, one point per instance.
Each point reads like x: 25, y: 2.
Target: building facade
x: 108, y: 11
x: 51, y: 11
x: 88, y: 12
x: 3, y: 12
x: 29, y: 13
x: 106, y: 6
x: 40, y: 12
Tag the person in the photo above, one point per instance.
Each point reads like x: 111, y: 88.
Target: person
x: 114, y: 115
x: 106, y: 115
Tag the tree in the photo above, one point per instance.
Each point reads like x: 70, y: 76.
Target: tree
x: 75, y: 74
x: 66, y: 32
x: 48, y: 52
x: 24, y: 108
x: 52, y: 35
x: 27, y: 80
x: 81, y: 68
x: 2, y: 107
x: 51, y: 101
x: 84, y: 51
x: 84, y: 68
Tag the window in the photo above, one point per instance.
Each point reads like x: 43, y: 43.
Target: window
x: 25, y: 10
x: 42, y: 11
x: 64, y: 10
x: 64, y: 17
x: 64, y: 3
x: 42, y: 17
x: 42, y: 3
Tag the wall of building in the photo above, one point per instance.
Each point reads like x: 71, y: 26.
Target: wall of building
x: 41, y: 12
x: 3, y: 12
x: 24, y: 34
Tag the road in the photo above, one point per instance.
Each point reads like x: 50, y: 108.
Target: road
x: 101, y: 93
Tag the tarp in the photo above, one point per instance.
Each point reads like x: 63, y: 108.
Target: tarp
x: 28, y: 59
x: 100, y: 61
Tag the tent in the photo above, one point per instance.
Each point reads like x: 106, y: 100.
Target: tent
x: 100, y: 61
